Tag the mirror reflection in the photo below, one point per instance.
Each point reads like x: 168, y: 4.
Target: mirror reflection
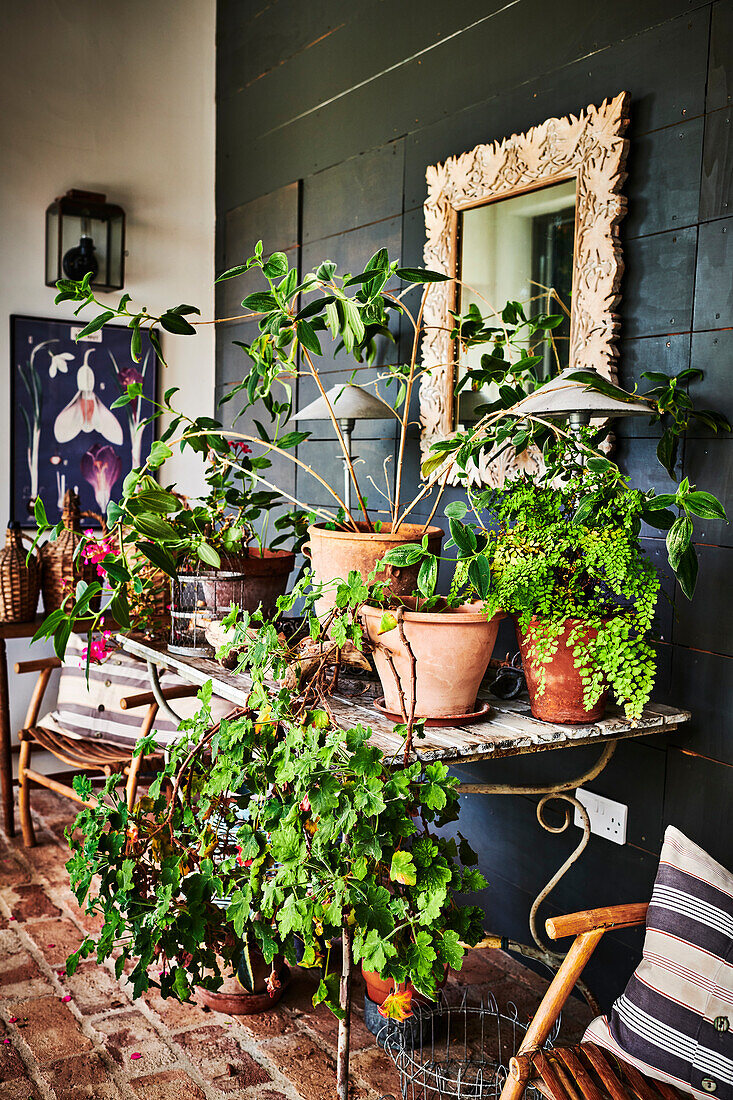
x: 509, y: 251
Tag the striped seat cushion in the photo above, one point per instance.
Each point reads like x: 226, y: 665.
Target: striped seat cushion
x: 92, y: 710
x: 674, y: 1021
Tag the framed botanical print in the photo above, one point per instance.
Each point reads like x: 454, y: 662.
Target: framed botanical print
x: 64, y: 434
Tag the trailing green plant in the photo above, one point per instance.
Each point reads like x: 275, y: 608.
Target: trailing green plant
x: 278, y: 825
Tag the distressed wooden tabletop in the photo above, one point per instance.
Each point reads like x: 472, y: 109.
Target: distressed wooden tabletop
x: 508, y: 729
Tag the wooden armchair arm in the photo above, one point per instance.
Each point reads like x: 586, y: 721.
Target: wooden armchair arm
x: 591, y: 920
x: 147, y: 699
x: 38, y: 665
x: 44, y: 666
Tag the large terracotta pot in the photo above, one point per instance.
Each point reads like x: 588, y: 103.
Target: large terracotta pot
x: 452, y: 650
x: 234, y: 999
x: 562, y: 698
x: 334, y: 554
x: 265, y: 574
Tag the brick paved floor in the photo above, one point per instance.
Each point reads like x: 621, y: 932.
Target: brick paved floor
x: 69, y: 1038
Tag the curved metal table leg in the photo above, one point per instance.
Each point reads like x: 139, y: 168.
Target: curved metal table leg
x: 550, y: 792
x: 158, y: 693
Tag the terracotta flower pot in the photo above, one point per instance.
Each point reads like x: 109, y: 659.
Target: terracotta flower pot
x: 336, y: 553
x: 452, y: 650
x: 562, y: 698
x: 234, y: 999
x: 266, y: 574
x: 378, y: 989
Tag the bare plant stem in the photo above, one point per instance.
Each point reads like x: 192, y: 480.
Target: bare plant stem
x: 406, y: 407
x: 342, y: 1064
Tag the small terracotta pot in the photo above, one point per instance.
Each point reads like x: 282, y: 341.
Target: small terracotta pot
x: 562, y: 699
x: 335, y: 553
x: 452, y: 650
x: 265, y: 575
x: 378, y: 989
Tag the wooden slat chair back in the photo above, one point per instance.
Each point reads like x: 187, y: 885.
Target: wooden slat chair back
x: 584, y: 1071
x: 79, y: 753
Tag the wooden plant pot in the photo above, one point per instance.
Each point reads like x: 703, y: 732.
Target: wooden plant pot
x: 562, y: 698
x: 333, y: 554
x: 61, y: 566
x: 452, y: 650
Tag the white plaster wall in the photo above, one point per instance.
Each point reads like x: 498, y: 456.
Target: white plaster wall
x: 116, y: 98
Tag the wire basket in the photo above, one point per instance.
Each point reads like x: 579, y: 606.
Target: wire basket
x: 197, y: 601
x: 456, y: 1052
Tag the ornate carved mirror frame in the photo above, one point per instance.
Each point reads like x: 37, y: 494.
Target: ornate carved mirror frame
x: 590, y: 149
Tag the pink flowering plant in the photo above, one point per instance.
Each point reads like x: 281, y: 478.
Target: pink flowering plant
x: 152, y: 529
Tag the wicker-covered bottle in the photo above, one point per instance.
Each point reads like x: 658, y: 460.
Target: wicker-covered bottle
x: 20, y: 580
x: 60, y: 569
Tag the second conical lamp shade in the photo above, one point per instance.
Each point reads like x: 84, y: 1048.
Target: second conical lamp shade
x: 348, y: 403
x: 565, y: 396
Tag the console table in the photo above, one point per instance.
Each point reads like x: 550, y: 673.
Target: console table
x: 508, y: 730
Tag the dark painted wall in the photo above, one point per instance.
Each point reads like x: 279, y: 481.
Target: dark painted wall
x: 328, y: 113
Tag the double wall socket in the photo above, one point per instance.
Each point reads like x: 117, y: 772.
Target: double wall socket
x: 607, y: 818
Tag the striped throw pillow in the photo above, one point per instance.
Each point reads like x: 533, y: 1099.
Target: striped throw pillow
x: 92, y: 710
x: 674, y: 1021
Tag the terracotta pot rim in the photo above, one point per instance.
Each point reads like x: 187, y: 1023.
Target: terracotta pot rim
x: 376, y: 536
x: 437, y: 618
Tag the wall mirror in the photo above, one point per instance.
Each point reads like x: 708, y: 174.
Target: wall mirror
x: 537, y: 210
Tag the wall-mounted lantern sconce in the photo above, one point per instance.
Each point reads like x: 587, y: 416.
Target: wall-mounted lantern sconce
x: 85, y: 233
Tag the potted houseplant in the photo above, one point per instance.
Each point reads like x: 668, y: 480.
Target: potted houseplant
x: 305, y: 830
x: 431, y: 651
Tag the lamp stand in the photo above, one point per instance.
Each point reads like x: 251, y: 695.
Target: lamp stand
x: 347, y: 425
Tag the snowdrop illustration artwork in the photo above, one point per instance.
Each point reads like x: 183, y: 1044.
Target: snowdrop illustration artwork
x: 64, y: 433
x: 85, y: 412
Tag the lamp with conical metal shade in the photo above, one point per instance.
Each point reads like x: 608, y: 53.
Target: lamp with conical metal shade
x: 566, y: 398
x: 349, y: 403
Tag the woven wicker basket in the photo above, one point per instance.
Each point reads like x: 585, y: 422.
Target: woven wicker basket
x: 20, y: 581
x: 61, y: 572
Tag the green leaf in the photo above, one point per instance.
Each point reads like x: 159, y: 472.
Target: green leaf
x: 420, y: 275
x: 39, y: 512
x: 260, y: 302
x: 154, y: 527
x: 95, y: 325
x: 403, y: 869
x: 388, y: 622
x: 308, y: 338
x: 463, y: 536
x: 479, y: 574
x: 704, y: 505
x: 159, y: 452
x: 208, y: 555
x: 276, y: 266
x: 427, y: 577
x: 159, y: 557
x: 120, y: 609
x: 233, y: 272
x: 456, y: 509
x: 663, y: 500
x: 173, y: 322
x: 430, y: 465
x: 402, y: 556
x: 679, y: 538
x: 667, y: 451
x: 686, y: 571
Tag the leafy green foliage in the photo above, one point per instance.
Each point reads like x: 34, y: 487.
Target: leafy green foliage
x: 278, y: 824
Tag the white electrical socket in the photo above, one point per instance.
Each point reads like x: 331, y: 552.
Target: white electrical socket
x: 607, y: 818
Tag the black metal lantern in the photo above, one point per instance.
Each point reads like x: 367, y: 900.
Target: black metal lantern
x: 85, y: 233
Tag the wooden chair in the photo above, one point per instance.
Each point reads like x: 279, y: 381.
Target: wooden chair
x: 584, y: 1071
x: 81, y: 754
